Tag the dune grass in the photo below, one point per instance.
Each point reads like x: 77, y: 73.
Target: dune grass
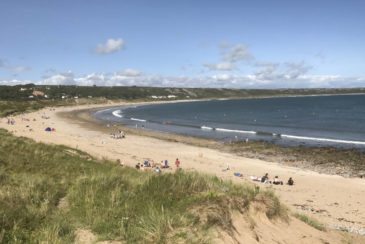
x: 115, y: 203
x: 8, y: 108
x: 310, y: 221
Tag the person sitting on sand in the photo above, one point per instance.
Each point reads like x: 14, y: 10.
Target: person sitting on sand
x: 153, y: 164
x: 165, y: 164
x: 265, y: 179
x: 290, y: 182
x: 276, y: 181
x: 147, y: 163
x: 138, y: 166
x: 158, y: 170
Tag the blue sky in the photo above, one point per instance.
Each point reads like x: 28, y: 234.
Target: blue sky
x: 240, y: 44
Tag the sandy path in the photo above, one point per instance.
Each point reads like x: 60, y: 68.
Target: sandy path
x: 334, y: 200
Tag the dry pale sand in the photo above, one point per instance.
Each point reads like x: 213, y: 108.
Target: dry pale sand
x: 336, y: 201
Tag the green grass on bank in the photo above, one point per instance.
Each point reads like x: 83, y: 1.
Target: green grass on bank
x: 8, y: 108
x: 310, y: 221
x: 47, y: 192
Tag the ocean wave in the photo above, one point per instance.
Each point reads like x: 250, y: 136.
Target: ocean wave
x: 117, y: 113
x: 206, y: 128
x: 140, y: 120
x: 322, y: 139
x: 235, y: 131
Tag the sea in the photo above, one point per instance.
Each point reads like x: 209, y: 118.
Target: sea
x: 336, y: 120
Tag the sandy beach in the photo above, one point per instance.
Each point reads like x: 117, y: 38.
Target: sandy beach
x: 336, y: 201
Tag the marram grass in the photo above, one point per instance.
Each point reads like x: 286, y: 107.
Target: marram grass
x: 114, y: 203
x: 310, y: 221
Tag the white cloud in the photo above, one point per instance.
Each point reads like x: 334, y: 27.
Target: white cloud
x: 222, y: 77
x: 230, y: 56
x: 237, y: 53
x: 110, y: 46
x: 13, y: 82
x: 91, y: 79
x: 270, y: 71
x: 295, y: 69
x: 131, y: 72
x: 268, y: 75
x: 66, y: 78
x: 224, y: 66
x: 267, y: 71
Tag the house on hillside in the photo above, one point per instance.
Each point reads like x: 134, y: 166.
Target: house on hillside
x: 158, y: 97
x: 38, y: 93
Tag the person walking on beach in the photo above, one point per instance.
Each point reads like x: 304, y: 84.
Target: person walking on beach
x: 177, y: 163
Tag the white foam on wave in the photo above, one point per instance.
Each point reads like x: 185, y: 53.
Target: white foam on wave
x: 236, y: 131
x: 206, y: 128
x: 117, y: 113
x: 322, y: 139
x: 140, y: 120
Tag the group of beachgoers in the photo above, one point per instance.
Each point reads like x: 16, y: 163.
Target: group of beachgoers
x: 149, y: 164
x: 118, y: 135
x: 157, y: 167
x: 10, y: 121
x: 50, y: 129
x: 276, y: 181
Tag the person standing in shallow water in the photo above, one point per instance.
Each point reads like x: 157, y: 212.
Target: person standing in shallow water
x: 177, y: 163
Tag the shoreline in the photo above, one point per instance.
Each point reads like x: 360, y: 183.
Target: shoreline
x: 336, y: 200
x: 322, y: 161
x: 313, y: 141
